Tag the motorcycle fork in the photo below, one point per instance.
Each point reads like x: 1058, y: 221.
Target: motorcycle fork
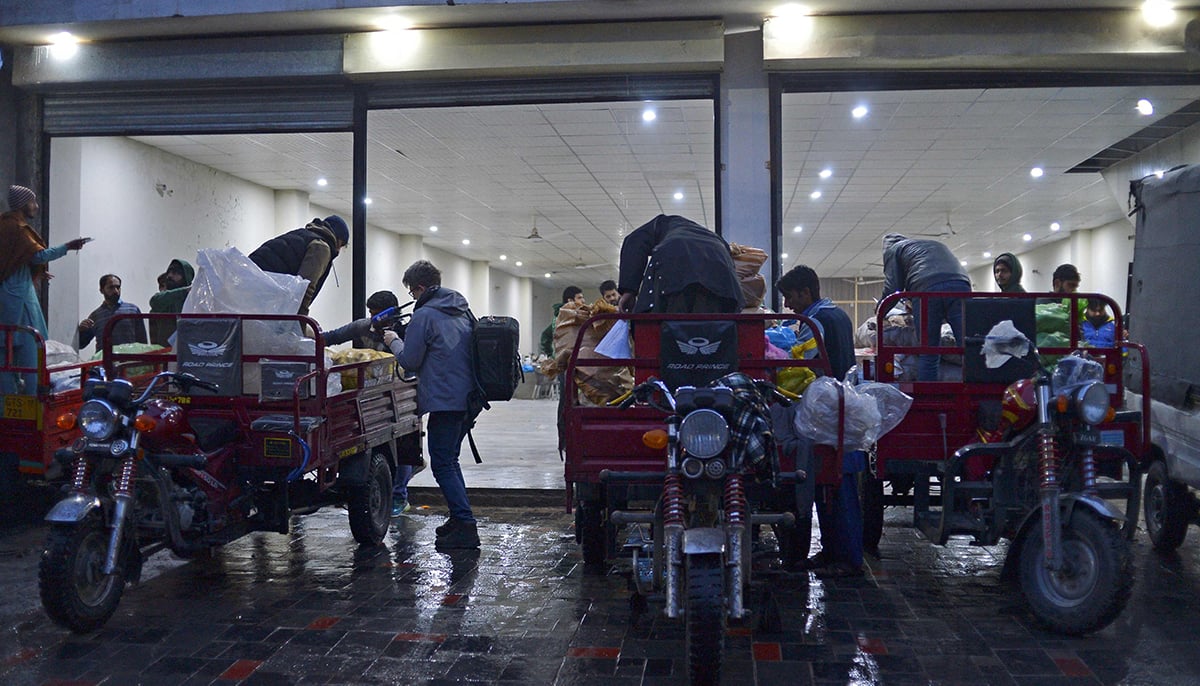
x: 673, y: 508
x: 123, y: 499
x: 736, y: 515
x: 1050, y: 485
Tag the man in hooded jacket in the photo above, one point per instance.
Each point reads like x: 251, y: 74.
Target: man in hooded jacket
x: 306, y: 252
x: 672, y: 264
x: 1007, y: 271
x: 925, y: 266
x: 179, y: 277
x: 437, y: 347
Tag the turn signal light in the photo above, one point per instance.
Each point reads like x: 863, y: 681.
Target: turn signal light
x: 65, y: 421
x: 1110, y: 415
x: 889, y: 367
x: 145, y: 423
x: 655, y: 439
x: 1064, y: 403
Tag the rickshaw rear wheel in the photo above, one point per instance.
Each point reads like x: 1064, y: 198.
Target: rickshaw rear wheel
x: 705, y: 617
x: 589, y: 532
x: 1168, y: 509
x: 1095, y: 583
x: 369, y: 504
x: 872, y: 512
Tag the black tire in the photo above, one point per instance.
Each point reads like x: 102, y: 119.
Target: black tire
x: 1096, y: 584
x: 75, y: 591
x: 370, y: 504
x: 872, y: 512
x: 589, y: 532
x: 704, y: 580
x: 1168, y: 509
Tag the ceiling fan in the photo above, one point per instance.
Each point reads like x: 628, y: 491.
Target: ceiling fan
x: 949, y: 231
x: 535, y: 236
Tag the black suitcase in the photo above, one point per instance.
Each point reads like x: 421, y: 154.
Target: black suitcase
x: 496, y: 345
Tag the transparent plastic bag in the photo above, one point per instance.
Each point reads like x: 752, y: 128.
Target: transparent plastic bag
x: 818, y: 417
x: 892, y: 402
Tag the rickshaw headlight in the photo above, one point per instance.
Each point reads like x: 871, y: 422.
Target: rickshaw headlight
x: 1091, y: 402
x: 704, y: 433
x: 97, y: 419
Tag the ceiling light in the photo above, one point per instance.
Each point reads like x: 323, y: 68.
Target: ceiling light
x: 1055, y: 226
x: 963, y: 262
x: 1027, y: 238
x: 859, y: 112
x: 1145, y: 107
x: 1036, y: 172
x: 790, y: 22
x: 825, y: 173
x: 63, y: 45
x: 322, y: 181
x: 503, y: 258
x: 783, y: 256
x: 1158, y: 13
x: 797, y: 228
x: 678, y: 195
x: 393, y: 22
x: 987, y: 254
x: 466, y: 241
x: 1159, y: 173
x: 649, y: 115
x: 433, y: 229
x: 814, y: 195
x: 547, y: 275
x: 519, y: 263
x: 367, y: 201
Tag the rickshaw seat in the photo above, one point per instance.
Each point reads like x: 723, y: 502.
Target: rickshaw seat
x: 283, y: 423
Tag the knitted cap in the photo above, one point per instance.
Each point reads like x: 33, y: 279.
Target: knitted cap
x: 19, y: 196
x: 338, y: 226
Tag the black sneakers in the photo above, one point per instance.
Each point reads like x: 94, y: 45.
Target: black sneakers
x: 457, y: 533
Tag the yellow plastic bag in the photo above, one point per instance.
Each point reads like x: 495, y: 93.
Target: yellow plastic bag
x: 373, y: 374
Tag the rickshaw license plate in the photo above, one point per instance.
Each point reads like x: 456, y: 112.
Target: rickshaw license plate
x: 1087, y: 438
x: 20, y: 407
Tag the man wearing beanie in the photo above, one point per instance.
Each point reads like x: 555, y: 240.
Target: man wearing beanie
x: 22, y: 268
x: 308, y: 253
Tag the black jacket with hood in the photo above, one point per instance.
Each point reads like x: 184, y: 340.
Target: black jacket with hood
x: 679, y: 253
x: 1014, y: 266
x: 916, y: 264
x: 286, y: 255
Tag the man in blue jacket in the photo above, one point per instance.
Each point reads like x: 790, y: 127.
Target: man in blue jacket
x: 437, y: 347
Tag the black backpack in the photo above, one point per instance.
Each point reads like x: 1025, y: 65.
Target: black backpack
x: 495, y: 346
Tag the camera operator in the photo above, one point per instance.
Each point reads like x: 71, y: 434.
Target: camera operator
x: 368, y: 332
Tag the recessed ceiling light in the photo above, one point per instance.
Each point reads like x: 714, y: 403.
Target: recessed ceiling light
x: 814, y: 195
x: 1036, y: 172
x: 1145, y: 107
x: 797, y: 228
x: 825, y: 173
x: 859, y: 112
x: 987, y: 254
x: 322, y: 181
x: 547, y: 275
x: 963, y: 262
x: 1159, y: 173
x: 433, y: 229
x: 394, y: 22
x: 1055, y: 226
x: 1027, y: 238
x: 367, y: 201
x: 649, y: 114
x: 503, y: 257
x: 466, y: 241
x: 63, y: 45
x: 678, y: 195
x: 519, y: 263
x: 783, y: 256
x: 1158, y: 13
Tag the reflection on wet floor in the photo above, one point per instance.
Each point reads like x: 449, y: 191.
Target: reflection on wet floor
x: 312, y: 607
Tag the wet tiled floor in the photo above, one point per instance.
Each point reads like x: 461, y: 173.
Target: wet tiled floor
x: 312, y: 608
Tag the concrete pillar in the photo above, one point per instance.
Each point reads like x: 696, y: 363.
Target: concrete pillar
x: 745, y: 144
x: 1082, y: 257
x: 291, y: 210
x: 529, y: 334
x: 480, y: 295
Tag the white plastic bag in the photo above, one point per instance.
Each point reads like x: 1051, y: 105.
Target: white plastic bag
x: 818, y: 417
x: 228, y: 282
x: 615, y: 343
x: 892, y: 402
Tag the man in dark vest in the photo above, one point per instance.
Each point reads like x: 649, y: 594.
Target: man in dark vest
x: 308, y: 253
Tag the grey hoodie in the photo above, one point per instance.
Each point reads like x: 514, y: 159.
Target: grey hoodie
x: 437, y: 347
x: 917, y: 264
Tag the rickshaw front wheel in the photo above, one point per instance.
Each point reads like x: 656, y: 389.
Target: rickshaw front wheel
x: 1094, y: 584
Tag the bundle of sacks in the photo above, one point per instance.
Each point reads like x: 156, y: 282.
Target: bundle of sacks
x: 746, y: 262
x: 598, y: 384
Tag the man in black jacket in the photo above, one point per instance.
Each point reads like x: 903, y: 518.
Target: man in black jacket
x: 672, y: 264
x: 307, y: 252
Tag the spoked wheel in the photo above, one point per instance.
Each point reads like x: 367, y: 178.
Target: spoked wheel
x: 76, y: 592
x: 1094, y: 584
x: 589, y: 532
x: 705, y: 617
x: 370, y: 504
x: 1168, y: 509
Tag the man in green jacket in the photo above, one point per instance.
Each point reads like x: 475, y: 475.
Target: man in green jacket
x: 179, y: 283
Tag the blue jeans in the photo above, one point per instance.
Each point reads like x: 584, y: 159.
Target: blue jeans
x: 400, y: 481
x: 940, y: 310
x: 839, y: 515
x: 445, y: 433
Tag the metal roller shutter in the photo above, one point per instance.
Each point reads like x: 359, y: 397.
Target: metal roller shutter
x: 522, y: 91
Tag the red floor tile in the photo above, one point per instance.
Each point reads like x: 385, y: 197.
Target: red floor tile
x: 1072, y: 666
x: 240, y: 670
x: 872, y: 646
x: 323, y: 622
x: 594, y: 651
x: 767, y: 652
